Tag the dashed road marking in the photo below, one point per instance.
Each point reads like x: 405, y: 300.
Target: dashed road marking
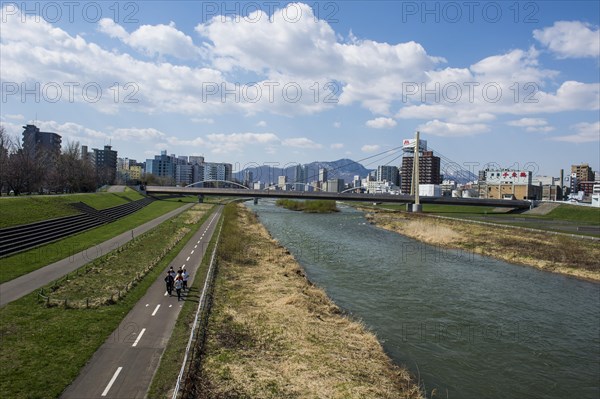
x: 139, y: 337
x: 188, y: 258
x: 155, y: 309
x: 112, y: 381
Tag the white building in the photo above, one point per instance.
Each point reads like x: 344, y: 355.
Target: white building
x: 430, y: 190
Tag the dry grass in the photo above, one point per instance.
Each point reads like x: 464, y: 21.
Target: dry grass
x: 273, y: 334
x: 551, y: 252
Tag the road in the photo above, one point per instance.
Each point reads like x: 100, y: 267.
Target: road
x: 125, y: 364
x: 21, y: 286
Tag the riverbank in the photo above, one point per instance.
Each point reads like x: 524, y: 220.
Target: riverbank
x: 550, y: 252
x: 272, y: 334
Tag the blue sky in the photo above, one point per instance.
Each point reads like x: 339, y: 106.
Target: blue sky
x: 509, y: 83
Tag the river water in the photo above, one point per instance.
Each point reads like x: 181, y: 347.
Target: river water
x: 467, y: 326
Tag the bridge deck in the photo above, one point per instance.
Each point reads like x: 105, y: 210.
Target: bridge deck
x: 235, y: 192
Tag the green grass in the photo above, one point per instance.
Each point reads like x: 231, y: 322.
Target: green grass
x: 172, y: 358
x: 44, y: 348
x: 575, y: 213
x: 314, y: 206
x: 25, y: 262
x: 23, y: 210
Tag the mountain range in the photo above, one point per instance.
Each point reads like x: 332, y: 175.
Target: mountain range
x: 341, y: 169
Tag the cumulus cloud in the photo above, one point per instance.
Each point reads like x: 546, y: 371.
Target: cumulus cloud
x: 585, y: 132
x: 439, y: 128
x: 370, y: 148
x: 570, y: 39
x: 532, y: 124
x: 153, y: 40
x: 261, y: 124
x: 336, y: 146
x: 381, y: 123
x: 301, y: 142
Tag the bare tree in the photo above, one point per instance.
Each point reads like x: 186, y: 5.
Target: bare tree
x: 5, y: 149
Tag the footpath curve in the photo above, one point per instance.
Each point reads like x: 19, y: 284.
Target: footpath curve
x: 23, y: 285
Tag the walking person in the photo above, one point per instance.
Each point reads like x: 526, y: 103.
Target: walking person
x: 169, y: 281
x: 178, y: 286
x: 185, y: 276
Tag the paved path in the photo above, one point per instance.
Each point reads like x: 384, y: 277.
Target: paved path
x: 21, y: 286
x: 125, y: 364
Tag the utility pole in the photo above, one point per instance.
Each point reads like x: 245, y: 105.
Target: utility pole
x: 415, y: 179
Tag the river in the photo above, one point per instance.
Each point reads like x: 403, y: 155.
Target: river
x: 467, y: 326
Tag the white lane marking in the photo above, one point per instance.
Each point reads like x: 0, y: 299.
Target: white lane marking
x: 156, y: 309
x: 170, y: 306
x: 195, y: 246
x: 192, y: 252
x: 198, y: 241
x: 139, y: 337
x: 188, y: 258
x: 112, y: 381
x: 166, y: 293
x: 147, y: 304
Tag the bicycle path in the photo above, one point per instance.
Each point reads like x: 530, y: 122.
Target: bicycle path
x: 123, y: 367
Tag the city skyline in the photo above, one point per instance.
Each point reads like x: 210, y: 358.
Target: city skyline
x: 225, y: 82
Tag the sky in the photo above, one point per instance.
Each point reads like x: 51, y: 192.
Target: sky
x: 505, y: 83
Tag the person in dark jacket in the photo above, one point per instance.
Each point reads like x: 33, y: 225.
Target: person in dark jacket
x: 169, y: 280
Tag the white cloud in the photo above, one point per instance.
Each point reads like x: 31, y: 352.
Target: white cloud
x: 439, y: 128
x: 208, y: 121
x: 138, y: 134
x: 18, y: 117
x: 153, y: 39
x: 369, y: 72
x: 301, y: 142
x: 337, y: 125
x: 570, y: 39
x: 237, y: 142
x: 261, y: 124
x: 336, y: 146
x: 370, y: 147
x: 584, y: 133
x: 381, y: 123
x: 532, y: 124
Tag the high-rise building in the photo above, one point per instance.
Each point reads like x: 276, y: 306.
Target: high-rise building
x: 299, y: 174
x: 388, y: 173
x: 248, y: 178
x: 36, y: 142
x: 105, y: 161
x: 429, y: 170
x: 583, y: 172
x: 323, y: 175
x: 335, y: 185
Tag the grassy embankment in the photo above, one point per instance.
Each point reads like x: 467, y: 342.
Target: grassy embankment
x: 550, y: 252
x: 272, y: 334
x: 29, y: 209
x: 44, y: 348
x: 311, y: 206
x: 22, y: 263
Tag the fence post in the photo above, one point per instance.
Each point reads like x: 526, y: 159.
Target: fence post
x: 87, y: 303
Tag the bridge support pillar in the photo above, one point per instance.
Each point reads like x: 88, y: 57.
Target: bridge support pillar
x: 255, y: 200
x: 200, y: 198
x: 417, y: 208
x: 409, y: 207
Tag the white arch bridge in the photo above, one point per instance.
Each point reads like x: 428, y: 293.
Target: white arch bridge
x: 407, y: 199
